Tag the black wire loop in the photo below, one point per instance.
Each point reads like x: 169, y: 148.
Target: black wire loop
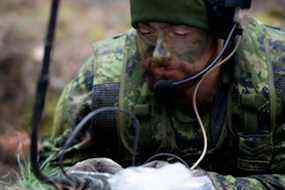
x: 167, y: 155
x: 92, y: 115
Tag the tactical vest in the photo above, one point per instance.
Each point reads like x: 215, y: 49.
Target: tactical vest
x: 254, y: 108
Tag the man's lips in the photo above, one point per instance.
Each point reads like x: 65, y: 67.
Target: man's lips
x: 162, y: 74
x: 170, y: 71
x: 168, y: 66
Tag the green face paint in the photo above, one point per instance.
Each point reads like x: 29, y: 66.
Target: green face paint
x: 190, y: 47
x: 172, y: 42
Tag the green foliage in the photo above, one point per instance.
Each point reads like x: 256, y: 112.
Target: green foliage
x: 28, y: 181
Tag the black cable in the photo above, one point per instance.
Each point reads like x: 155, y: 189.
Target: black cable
x: 41, y: 90
x: 213, y: 63
x: 87, y: 118
x: 167, y: 155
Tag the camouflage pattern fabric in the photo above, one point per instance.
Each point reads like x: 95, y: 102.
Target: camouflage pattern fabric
x: 245, y: 127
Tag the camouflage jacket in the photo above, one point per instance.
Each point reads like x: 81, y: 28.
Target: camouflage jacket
x: 245, y: 127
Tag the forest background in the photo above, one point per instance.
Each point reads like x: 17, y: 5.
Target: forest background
x: 81, y: 23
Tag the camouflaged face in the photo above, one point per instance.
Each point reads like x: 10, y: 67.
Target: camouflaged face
x: 251, y: 146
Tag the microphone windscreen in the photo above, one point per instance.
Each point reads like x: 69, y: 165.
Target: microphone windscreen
x: 164, y: 90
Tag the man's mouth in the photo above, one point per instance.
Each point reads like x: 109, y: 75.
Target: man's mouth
x: 164, y: 66
x: 152, y: 76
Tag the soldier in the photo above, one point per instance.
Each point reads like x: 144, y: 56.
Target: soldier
x: 241, y: 103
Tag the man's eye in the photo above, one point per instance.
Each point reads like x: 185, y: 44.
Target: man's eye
x: 181, y: 33
x: 144, y: 31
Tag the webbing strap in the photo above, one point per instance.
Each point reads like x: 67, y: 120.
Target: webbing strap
x: 104, y: 130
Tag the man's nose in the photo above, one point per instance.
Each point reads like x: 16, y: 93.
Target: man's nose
x: 161, y: 53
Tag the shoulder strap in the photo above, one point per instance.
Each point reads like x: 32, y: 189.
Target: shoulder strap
x: 277, y: 53
x: 105, y: 95
x: 254, y: 92
x: 104, y: 130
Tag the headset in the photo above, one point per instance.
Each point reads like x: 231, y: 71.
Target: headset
x: 221, y: 16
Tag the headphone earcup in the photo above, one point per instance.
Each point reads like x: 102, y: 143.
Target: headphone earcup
x: 221, y: 15
x: 221, y: 18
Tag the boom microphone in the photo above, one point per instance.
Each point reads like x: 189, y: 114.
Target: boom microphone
x: 164, y: 89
